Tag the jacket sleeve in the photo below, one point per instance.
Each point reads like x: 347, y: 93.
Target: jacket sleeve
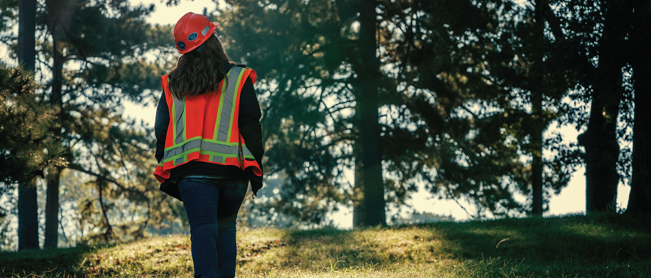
x: 160, y: 127
x: 250, y: 127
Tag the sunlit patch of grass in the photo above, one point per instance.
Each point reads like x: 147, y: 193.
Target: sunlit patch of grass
x: 578, y: 246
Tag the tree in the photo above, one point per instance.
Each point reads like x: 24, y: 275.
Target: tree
x: 111, y: 70
x: 326, y: 97
x: 452, y: 126
x: 107, y: 39
x: 639, y: 201
x: 27, y: 205
x: 313, y: 67
x: 304, y: 82
x: 541, y: 70
x: 26, y: 150
x: 601, y: 28
x: 366, y: 97
x: 606, y: 91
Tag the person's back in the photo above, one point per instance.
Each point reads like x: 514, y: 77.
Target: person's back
x: 209, y: 142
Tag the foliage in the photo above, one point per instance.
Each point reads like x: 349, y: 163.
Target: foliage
x: 108, y: 40
x: 598, y: 31
x: 26, y: 148
x: 305, y: 55
x: 448, y: 104
x: 536, y: 67
x: 464, y: 101
x: 574, y: 246
x: 106, y: 53
x: 300, y: 51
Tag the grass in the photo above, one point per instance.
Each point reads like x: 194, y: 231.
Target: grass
x: 576, y: 246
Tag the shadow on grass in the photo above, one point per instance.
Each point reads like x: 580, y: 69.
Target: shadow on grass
x: 596, y: 246
x: 597, y: 239
x: 601, y: 239
x: 44, y: 261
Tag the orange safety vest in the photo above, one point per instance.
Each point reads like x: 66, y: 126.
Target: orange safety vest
x: 205, y: 127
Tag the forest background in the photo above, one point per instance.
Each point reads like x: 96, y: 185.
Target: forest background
x: 468, y: 138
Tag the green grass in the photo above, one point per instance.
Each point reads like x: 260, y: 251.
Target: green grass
x: 575, y: 246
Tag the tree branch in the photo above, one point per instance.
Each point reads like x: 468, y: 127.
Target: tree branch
x: 81, y: 169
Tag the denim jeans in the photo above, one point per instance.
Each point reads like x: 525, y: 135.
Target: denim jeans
x: 211, y: 205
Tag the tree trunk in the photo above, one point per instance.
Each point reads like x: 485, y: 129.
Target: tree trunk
x: 53, y: 179
x: 358, y: 190
x: 537, y: 115
x: 368, y: 106
x: 52, y: 209
x: 27, y: 203
x: 537, y: 148
x: 639, y: 201
x: 601, y: 155
x: 27, y: 34
x: 600, y: 139
x: 27, y: 216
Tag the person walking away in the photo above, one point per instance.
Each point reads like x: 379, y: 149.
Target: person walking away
x: 209, y: 142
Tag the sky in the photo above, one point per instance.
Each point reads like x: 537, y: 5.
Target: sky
x: 570, y: 201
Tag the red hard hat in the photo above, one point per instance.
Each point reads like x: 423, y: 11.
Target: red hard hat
x: 191, y: 31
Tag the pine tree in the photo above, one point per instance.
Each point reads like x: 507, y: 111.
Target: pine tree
x: 299, y: 50
x: 366, y: 97
x: 296, y: 45
x: 449, y: 123
x: 27, y: 204
x: 107, y: 39
x: 599, y: 81
x: 26, y: 149
x: 600, y: 140
x: 109, y: 48
x: 543, y: 70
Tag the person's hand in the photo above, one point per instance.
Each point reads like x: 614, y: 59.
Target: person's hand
x: 255, y: 186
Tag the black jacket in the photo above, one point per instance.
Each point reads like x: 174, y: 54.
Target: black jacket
x: 250, y: 129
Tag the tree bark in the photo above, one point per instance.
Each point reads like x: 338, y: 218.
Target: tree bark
x: 537, y: 116
x: 367, y: 100
x: 52, y: 209
x: 27, y: 216
x: 537, y: 149
x: 27, y: 203
x: 53, y: 179
x: 600, y: 139
x: 358, y: 190
x: 27, y: 34
x: 639, y: 201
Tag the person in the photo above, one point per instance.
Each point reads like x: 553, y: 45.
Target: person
x: 209, y: 142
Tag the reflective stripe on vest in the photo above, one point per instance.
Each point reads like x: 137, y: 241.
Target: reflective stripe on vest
x: 224, y: 146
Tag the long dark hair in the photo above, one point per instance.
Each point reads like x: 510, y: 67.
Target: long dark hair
x: 200, y: 70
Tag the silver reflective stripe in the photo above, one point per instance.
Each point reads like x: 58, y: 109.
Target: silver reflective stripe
x: 219, y: 148
x: 179, y: 160
x: 181, y: 149
x: 205, y: 146
x: 246, y: 151
x: 227, y: 106
x: 218, y: 159
x: 179, y: 106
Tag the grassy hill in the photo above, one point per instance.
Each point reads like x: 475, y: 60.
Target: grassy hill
x: 575, y: 246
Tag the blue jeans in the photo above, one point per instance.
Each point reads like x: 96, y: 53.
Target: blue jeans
x: 211, y: 206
